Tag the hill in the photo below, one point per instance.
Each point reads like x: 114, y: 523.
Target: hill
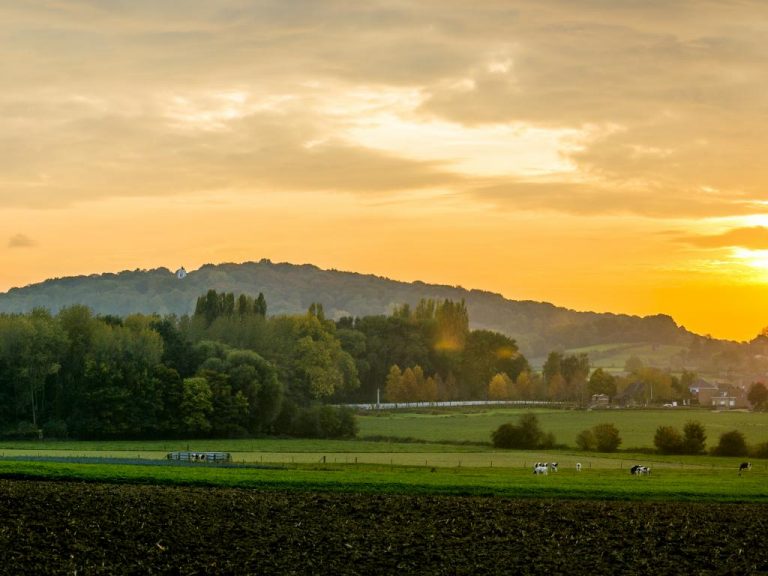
x: 538, y: 327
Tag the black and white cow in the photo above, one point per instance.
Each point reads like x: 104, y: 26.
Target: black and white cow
x: 540, y: 468
x: 744, y: 466
x: 578, y: 466
x: 553, y: 466
x: 638, y: 470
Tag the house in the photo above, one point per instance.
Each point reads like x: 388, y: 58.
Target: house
x: 730, y: 397
x: 181, y: 273
x: 632, y: 395
x: 600, y: 401
x: 703, y: 391
x: 719, y: 397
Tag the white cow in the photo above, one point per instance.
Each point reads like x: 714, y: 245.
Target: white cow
x: 578, y: 466
x: 540, y: 468
x: 553, y: 466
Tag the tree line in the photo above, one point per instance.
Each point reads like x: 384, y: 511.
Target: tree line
x: 231, y: 370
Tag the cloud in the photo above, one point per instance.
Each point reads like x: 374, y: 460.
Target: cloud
x: 753, y: 238
x: 105, y: 99
x: 21, y: 241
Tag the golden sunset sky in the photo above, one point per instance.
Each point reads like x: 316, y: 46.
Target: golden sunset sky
x: 600, y: 155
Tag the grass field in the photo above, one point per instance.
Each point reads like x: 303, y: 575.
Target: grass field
x: 613, y: 357
x: 426, y: 465
x: 716, y: 484
x: 636, y: 427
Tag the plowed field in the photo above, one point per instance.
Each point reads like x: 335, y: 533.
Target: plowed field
x: 77, y: 528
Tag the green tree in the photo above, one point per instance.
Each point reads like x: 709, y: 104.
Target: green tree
x: 525, y: 435
x: 607, y: 437
x: 196, y: 406
x: 586, y: 440
x: 732, y: 443
x: 575, y: 369
x: 694, y: 438
x: 668, y: 440
x: 602, y: 382
x: 552, y: 367
x: 633, y: 365
x: 600, y: 438
x: 758, y: 395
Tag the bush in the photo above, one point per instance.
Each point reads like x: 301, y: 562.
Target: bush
x: 316, y: 422
x: 55, y: 429
x: 668, y: 440
x: 586, y: 441
x: 607, y: 437
x: 731, y: 443
x: 694, y: 438
x: 759, y: 451
x: 600, y: 438
x: 526, y: 435
x: 506, y: 436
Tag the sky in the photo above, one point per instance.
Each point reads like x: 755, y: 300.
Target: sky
x: 595, y: 154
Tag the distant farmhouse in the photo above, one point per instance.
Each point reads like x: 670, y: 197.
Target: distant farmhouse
x: 719, y: 396
x: 181, y: 273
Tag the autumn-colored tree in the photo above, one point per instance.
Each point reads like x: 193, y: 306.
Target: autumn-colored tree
x: 499, y: 387
x: 393, y: 388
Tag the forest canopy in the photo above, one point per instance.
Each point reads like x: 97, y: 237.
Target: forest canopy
x: 231, y: 370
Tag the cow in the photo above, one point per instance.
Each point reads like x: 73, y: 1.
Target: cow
x: 578, y: 466
x: 638, y: 470
x: 540, y: 468
x: 744, y: 466
x: 553, y: 466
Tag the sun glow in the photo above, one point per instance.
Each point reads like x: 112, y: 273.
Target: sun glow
x: 754, y: 258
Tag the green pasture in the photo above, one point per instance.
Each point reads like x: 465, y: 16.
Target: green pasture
x: 508, y: 459
x: 636, y: 426
x: 613, y: 357
x: 722, y: 485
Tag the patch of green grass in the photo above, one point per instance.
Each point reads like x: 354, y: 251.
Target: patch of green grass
x: 604, y: 484
x: 636, y: 427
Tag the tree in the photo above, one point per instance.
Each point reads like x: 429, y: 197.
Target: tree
x: 552, y: 367
x: 499, y: 386
x: 196, y: 406
x: 393, y: 388
x: 694, y: 438
x: 575, y: 369
x: 600, y: 438
x: 586, y: 440
x: 602, y: 382
x: 758, y: 395
x: 486, y: 354
x: 633, y: 365
x: 668, y: 440
x: 526, y: 435
x: 731, y: 443
x: 607, y: 437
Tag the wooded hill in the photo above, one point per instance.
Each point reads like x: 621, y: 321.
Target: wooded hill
x: 538, y: 327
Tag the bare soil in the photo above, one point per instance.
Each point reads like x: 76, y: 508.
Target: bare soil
x: 79, y: 528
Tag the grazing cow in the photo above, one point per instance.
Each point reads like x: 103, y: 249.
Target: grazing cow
x: 553, y: 466
x: 578, y: 466
x: 638, y: 470
x: 744, y: 466
x: 540, y: 468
